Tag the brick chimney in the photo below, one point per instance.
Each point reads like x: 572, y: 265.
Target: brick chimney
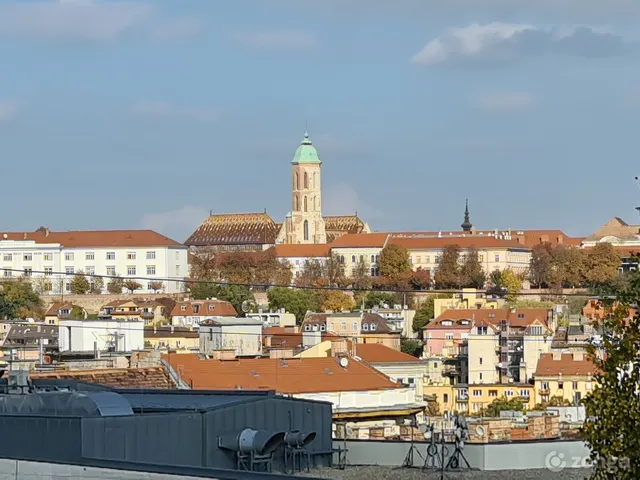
x: 578, y: 356
x: 557, y: 356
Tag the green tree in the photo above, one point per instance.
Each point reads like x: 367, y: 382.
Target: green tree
x: 96, y: 285
x: 296, y: 301
x: 79, y: 284
x: 377, y: 299
x: 202, y: 290
x: 576, y: 304
x: 448, y: 274
x: 411, y: 346
x: 131, y: 285
x: 77, y: 312
x: 495, y: 286
x: 18, y: 300
x: 512, y: 284
x: 426, y: 312
x: 115, y: 285
x: 236, y: 295
x: 471, y: 273
x: 503, y: 404
x: 393, y: 263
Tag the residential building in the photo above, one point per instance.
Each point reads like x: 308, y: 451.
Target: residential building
x: 469, y: 399
x: 595, y: 310
x: 446, y: 335
x: 28, y: 341
x: 399, y: 318
x: 180, y: 339
x: 362, y: 327
x: 62, y: 311
x: 275, y: 319
x: 241, y: 335
x: 297, y: 255
x: 356, y: 390
x: 51, y: 258
x: 400, y: 367
x: 116, y: 336
x: 469, y: 298
x: 303, y: 224
x: 193, y: 312
x: 355, y: 248
x: 569, y: 376
x: 150, y: 313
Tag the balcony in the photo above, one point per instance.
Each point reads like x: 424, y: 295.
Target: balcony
x: 543, y: 391
x: 462, y: 399
x: 450, y: 370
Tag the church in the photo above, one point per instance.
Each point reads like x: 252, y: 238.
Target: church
x: 304, y: 224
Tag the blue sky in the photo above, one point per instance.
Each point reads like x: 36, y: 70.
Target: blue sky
x: 149, y: 114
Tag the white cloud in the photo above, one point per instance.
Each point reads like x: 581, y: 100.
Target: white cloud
x: 166, y: 110
x: 276, y: 39
x: 177, y: 224
x: 504, y: 102
x: 342, y: 199
x: 499, y: 43
x: 8, y: 111
x: 85, y: 20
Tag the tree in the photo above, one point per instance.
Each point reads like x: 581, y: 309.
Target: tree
x: 312, y: 274
x: 613, y: 406
x: 202, y: 290
x: 378, y: 299
x: 334, y: 271
x: 411, y: 347
x: 448, y: 274
x: 567, y: 267
x: 80, y: 285
x: 115, y: 285
x: 167, y: 306
x: 601, y: 264
x: 393, y: 263
x: 426, y: 312
x: 512, y: 284
x: 156, y: 286
x: 337, y: 301
x: 502, y: 404
x: 236, y: 295
x: 131, y: 285
x: 471, y: 273
x: 77, y: 312
x: 495, y: 284
x: 420, y: 279
x: 96, y: 285
x: 360, y: 276
x: 540, y: 266
x: 296, y: 301
x: 18, y: 300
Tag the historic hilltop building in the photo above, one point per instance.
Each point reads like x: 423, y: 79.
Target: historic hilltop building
x: 303, y: 224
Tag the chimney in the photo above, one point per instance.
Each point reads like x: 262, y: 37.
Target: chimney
x: 557, y: 356
x: 46, y: 232
x: 25, y: 235
x: 578, y: 356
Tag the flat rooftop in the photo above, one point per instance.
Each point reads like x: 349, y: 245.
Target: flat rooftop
x: 395, y: 473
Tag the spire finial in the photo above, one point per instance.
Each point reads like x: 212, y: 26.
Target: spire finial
x: 466, y: 225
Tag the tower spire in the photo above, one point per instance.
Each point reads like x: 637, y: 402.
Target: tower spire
x: 466, y: 225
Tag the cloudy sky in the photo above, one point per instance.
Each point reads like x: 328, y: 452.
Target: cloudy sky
x: 131, y: 114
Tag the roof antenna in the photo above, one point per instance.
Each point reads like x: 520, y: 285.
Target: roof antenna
x: 637, y: 208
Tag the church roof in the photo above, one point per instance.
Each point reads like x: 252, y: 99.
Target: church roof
x: 235, y: 229
x: 616, y: 227
x: 306, y: 152
x: 337, y: 225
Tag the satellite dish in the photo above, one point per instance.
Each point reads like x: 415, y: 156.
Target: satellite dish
x: 344, y: 362
x: 480, y: 430
x: 248, y: 305
x: 348, y: 430
x: 5, y: 236
x: 427, y: 435
x: 423, y: 428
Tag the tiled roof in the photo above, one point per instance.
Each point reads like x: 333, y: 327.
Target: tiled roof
x: 56, y: 307
x: 425, y: 242
x: 235, y: 229
x: 221, y: 308
x: 565, y: 365
x: 528, y: 238
x: 293, y: 376
x: 314, y: 319
x: 150, y: 377
x: 164, y: 332
x: 96, y: 238
x: 339, y: 225
x: 379, y: 353
x: 31, y: 333
x: 373, y: 318
x: 518, y: 318
x: 302, y: 250
x: 361, y: 240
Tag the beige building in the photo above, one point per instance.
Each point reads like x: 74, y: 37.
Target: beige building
x: 565, y: 375
x: 361, y: 327
x: 180, y: 340
x: 353, y: 249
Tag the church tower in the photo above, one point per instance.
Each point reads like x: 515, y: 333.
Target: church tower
x: 305, y: 223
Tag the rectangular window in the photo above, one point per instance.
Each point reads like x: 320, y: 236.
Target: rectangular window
x: 177, y: 255
x: 111, y: 271
x: 27, y: 272
x: 47, y: 257
x: 437, y: 259
x: 68, y: 270
x: 151, y: 255
x: 111, y: 255
x: 477, y: 393
x: 48, y: 287
x: 48, y: 271
x: 27, y: 257
x: 508, y: 393
x: 448, y: 336
x: 68, y: 257
x: 177, y: 270
x: 151, y: 269
x: 524, y: 393
x: 7, y: 257
x: 131, y: 270
x: 67, y: 287
x: 575, y: 385
x: 481, y: 258
x: 90, y: 270
x: 89, y: 256
x: 196, y: 308
x: 493, y: 393
x: 7, y: 272
x: 131, y: 255
x: 497, y: 258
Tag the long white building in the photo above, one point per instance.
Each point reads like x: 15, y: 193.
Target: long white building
x: 51, y: 258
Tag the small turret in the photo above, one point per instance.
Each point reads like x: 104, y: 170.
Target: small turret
x: 466, y: 225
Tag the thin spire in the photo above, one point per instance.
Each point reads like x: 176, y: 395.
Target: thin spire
x: 466, y: 225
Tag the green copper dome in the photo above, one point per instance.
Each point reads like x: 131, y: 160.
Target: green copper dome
x: 306, y: 152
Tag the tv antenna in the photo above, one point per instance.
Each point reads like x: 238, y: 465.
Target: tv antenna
x: 638, y: 207
x: 409, y: 460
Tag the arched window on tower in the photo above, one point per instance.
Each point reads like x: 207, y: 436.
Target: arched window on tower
x: 306, y: 230
x: 305, y: 204
x: 315, y: 204
x: 297, y: 203
x: 315, y: 180
x: 306, y: 180
x: 296, y: 183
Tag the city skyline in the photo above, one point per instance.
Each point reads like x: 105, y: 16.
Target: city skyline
x: 149, y: 115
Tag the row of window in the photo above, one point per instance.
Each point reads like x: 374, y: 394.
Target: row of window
x: 110, y: 271
x: 427, y: 259
x: 69, y: 256
x: 507, y: 393
x: 48, y: 287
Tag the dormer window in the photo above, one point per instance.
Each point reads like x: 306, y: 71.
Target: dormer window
x: 323, y: 328
x: 447, y: 323
x: 211, y: 307
x: 307, y: 328
x: 365, y: 326
x: 196, y: 308
x: 464, y: 322
x: 183, y: 308
x: 372, y: 327
x: 492, y: 315
x: 521, y: 315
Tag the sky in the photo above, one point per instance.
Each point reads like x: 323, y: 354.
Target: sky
x: 150, y: 114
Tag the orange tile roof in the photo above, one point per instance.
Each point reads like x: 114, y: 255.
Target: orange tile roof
x: 150, y: 377
x: 56, y: 307
x: 221, y: 308
x: 360, y: 240
x: 528, y: 238
x: 308, y: 375
x: 379, y: 353
x: 309, y: 250
x: 336, y: 226
x: 565, y: 365
x: 415, y: 243
x: 97, y: 238
x: 235, y: 229
x: 518, y: 318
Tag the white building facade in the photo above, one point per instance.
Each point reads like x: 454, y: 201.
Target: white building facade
x: 51, y: 258
x: 110, y: 335
x: 242, y: 335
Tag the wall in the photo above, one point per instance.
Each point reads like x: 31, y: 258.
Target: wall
x: 367, y: 399
x: 93, y: 303
x: 245, y: 339
x: 80, y: 335
x: 497, y: 456
x: 403, y: 372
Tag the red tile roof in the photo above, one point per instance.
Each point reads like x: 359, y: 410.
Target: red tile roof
x: 97, y: 238
x: 566, y: 365
x: 379, y: 353
x: 360, y: 240
x: 150, y: 377
x: 221, y: 308
x: 235, y: 229
x: 310, y: 250
x: 55, y: 308
x: 518, y: 318
x: 293, y: 376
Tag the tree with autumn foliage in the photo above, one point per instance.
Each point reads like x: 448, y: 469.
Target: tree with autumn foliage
x: 336, y: 301
x: 420, y: 279
x: 394, y: 265
x: 601, y: 264
x: 448, y: 274
x: 312, y: 274
x: 471, y: 272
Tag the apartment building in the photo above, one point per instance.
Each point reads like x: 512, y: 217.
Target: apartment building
x: 296, y: 255
x: 51, y: 258
x: 355, y: 248
x: 468, y: 298
x: 472, y: 399
x: 568, y: 376
x: 193, y: 312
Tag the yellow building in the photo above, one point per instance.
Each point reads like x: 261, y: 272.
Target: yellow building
x: 468, y: 299
x: 182, y: 340
x: 471, y: 399
x: 565, y: 375
x: 62, y: 311
x: 148, y: 312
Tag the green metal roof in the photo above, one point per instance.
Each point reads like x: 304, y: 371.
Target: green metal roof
x: 306, y: 152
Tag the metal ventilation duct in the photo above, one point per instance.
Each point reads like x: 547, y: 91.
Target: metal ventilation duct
x: 66, y: 404
x: 260, y: 442
x: 298, y: 439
